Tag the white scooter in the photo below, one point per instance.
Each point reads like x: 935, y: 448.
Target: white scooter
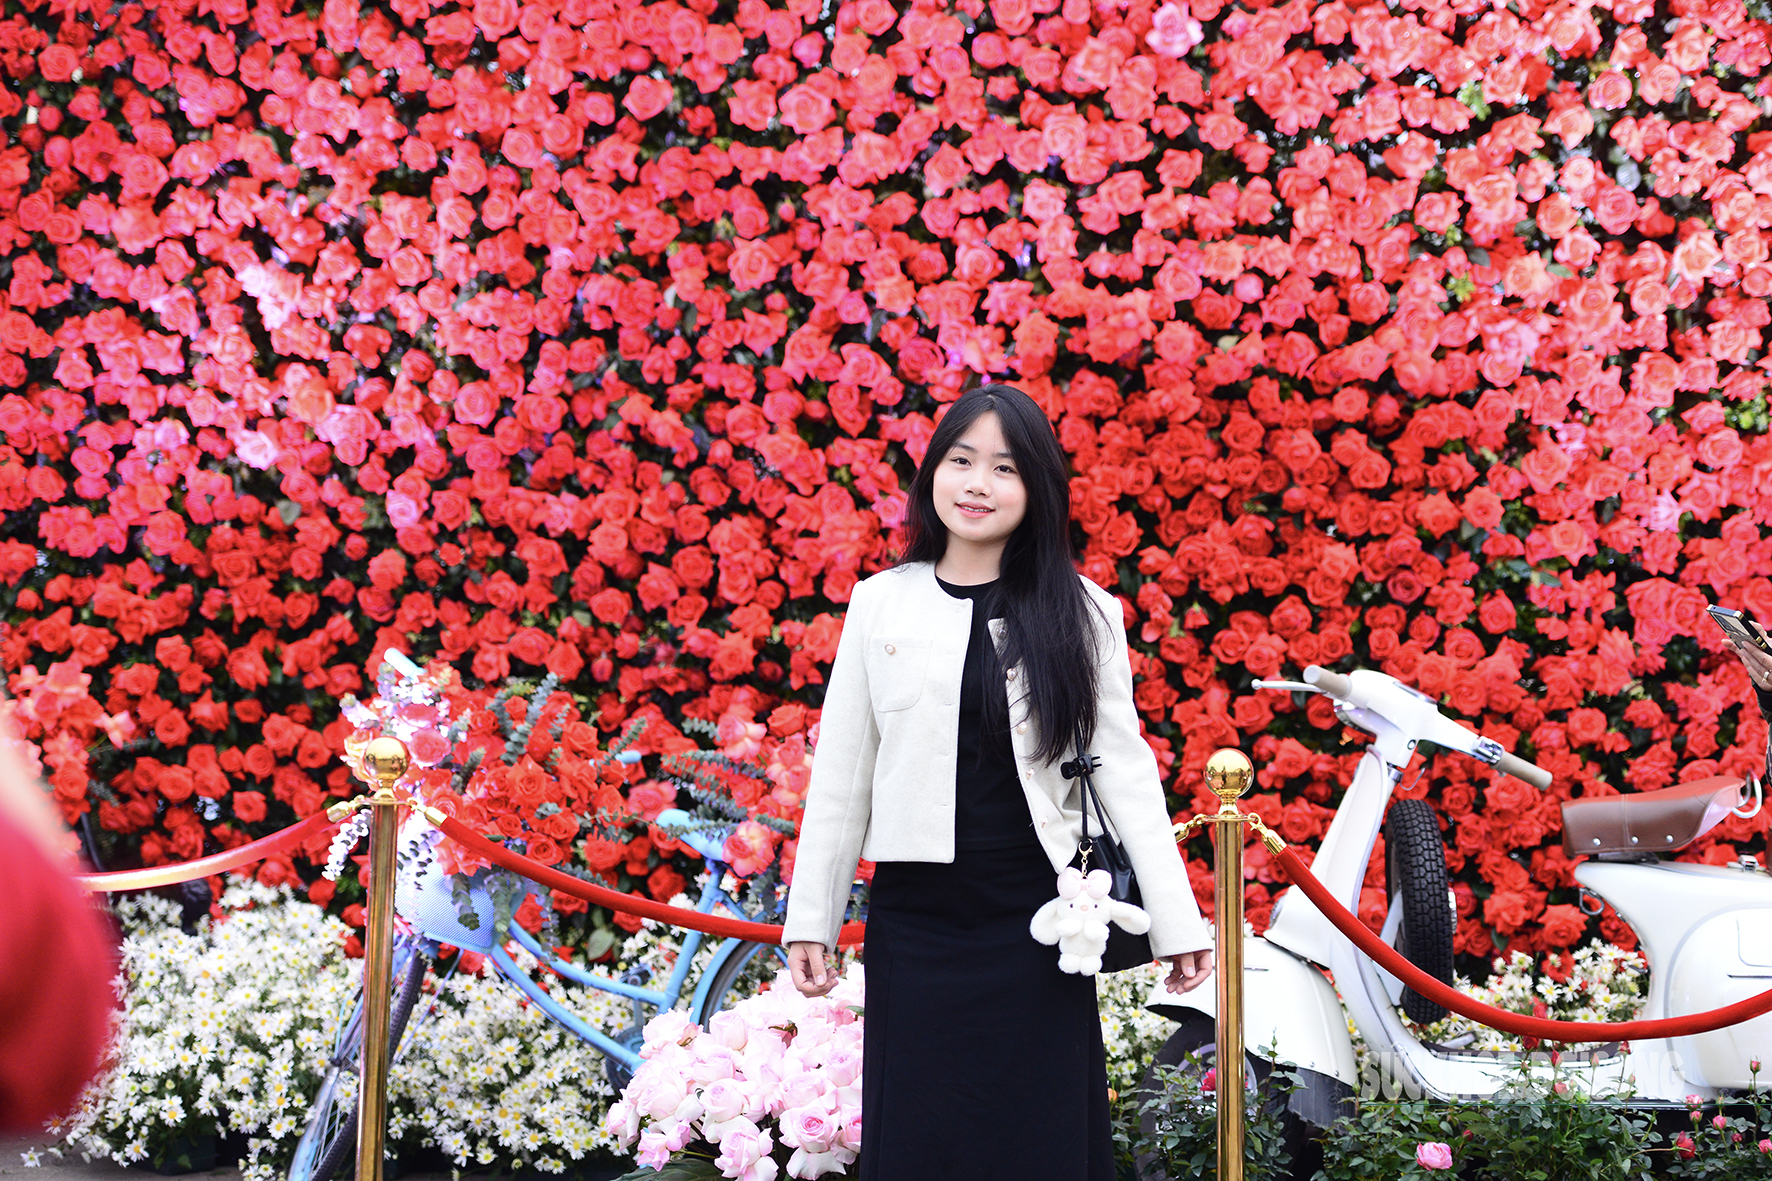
x: 1706, y: 930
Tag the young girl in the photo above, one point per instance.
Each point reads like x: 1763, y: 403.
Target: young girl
x: 965, y: 676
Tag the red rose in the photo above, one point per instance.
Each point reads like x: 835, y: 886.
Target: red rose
x: 1252, y: 714
x: 1610, y: 91
x: 1482, y: 508
x: 752, y: 264
x: 1585, y: 726
x: 495, y: 18
x: 247, y: 669
x: 1563, y: 925
x: 1436, y: 514
x: 172, y: 729
x: 1508, y: 910
x: 249, y: 807
x: 1229, y: 645
x: 1242, y: 433
x: 1468, y: 693
x: 530, y: 645
x: 1263, y: 657
x: 917, y: 357
x: 806, y: 110
x: 1405, y: 586
x: 387, y: 570
x: 57, y: 63
x: 177, y: 784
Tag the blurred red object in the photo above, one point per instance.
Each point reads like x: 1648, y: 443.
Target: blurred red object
x: 55, y: 990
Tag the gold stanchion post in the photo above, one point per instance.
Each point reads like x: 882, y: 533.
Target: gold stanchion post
x: 386, y: 760
x: 1229, y: 774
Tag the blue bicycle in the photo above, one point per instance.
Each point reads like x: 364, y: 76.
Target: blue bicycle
x: 427, y: 917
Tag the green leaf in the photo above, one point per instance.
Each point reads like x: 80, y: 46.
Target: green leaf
x: 1471, y: 95
x: 601, y: 940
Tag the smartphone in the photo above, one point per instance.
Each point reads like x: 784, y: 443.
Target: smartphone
x: 1739, y: 626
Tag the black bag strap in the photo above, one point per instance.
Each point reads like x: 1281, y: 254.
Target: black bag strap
x: 1080, y: 768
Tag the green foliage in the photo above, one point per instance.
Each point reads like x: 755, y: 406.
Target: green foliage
x: 1732, y: 1141
x: 1378, y: 1142
x: 1534, y: 1132
x: 1175, y: 1122
x: 1540, y: 1127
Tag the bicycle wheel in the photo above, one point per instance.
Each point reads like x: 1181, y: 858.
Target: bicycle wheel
x: 328, y: 1145
x: 742, y: 974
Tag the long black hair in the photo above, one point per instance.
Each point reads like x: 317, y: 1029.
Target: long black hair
x: 1039, y: 594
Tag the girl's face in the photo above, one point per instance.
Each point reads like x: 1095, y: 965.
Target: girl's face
x: 978, y: 491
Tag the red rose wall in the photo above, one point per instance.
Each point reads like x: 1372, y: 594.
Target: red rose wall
x: 601, y: 337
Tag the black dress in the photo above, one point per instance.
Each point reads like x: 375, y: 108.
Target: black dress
x: 981, y: 1060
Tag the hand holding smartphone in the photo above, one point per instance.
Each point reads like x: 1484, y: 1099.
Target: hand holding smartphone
x: 1749, y: 640
x: 1740, y: 627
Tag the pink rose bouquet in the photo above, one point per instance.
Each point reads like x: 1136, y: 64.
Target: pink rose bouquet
x: 771, y: 1087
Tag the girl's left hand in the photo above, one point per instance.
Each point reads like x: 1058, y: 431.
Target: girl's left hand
x: 1188, y: 970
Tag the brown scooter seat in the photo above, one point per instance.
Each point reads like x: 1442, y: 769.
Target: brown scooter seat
x: 1647, y: 822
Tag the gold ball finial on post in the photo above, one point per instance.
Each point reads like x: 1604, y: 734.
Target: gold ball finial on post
x: 386, y: 759
x: 1229, y: 774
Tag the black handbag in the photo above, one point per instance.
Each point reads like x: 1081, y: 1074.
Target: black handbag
x: 1124, y: 949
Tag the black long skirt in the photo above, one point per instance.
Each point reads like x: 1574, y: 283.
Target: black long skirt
x: 981, y: 1060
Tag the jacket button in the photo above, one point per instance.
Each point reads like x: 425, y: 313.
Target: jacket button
x: 1022, y: 729
x: 1012, y: 674
x: 890, y: 649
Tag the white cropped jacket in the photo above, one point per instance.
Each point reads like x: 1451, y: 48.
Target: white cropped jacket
x: 883, y: 771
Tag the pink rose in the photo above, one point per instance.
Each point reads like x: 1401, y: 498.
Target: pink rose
x: 622, y: 1122
x: 647, y: 97
x: 744, y: 1154
x: 665, y: 1029
x: 1173, y: 31
x: 812, y: 1128
x: 729, y: 1029
x: 659, y: 1141
x: 750, y: 848
x: 648, y: 799
x: 724, y: 1099
x: 1433, y: 1155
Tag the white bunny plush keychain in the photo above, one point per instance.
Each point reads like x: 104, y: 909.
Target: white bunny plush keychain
x: 1077, y: 920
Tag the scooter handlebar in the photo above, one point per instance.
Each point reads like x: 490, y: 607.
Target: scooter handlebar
x: 1520, y: 769
x: 1334, y: 684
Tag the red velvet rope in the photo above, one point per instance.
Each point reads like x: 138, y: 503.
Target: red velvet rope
x: 677, y: 916
x: 1515, y: 1023
x: 189, y: 871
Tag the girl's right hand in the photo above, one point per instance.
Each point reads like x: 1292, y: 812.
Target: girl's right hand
x: 812, y: 976
x: 1757, y: 661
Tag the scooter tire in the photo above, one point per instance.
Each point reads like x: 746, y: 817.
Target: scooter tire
x: 1415, y: 868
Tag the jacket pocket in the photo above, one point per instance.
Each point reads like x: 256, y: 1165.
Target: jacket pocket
x: 897, y: 666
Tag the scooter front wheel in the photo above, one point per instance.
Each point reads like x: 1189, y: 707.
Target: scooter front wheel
x: 1415, y: 864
